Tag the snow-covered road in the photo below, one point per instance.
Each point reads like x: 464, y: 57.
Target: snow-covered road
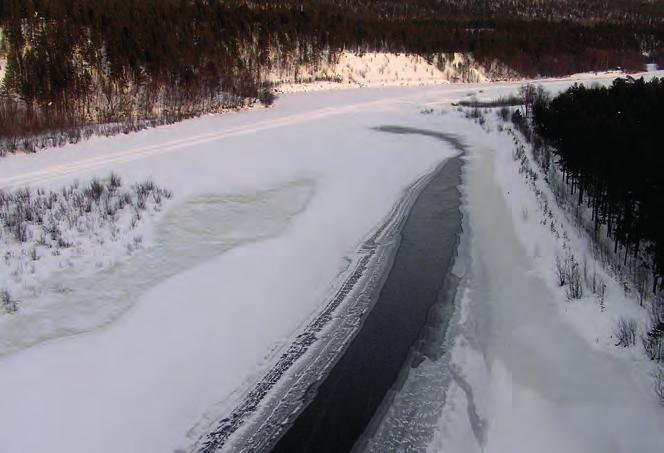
x: 292, y: 192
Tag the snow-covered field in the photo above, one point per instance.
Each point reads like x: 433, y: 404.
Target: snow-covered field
x: 268, y: 205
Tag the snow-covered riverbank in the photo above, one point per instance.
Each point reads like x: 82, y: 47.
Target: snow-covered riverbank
x: 528, y: 369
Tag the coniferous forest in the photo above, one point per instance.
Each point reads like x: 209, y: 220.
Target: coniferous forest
x: 72, y: 63
x: 608, y: 144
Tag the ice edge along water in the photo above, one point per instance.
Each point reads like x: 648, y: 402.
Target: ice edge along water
x: 541, y: 384
x: 352, y: 393
x: 262, y: 416
x: 410, y: 413
x: 141, y: 383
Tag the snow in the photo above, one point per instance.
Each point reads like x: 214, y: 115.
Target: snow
x: 191, y: 232
x: 552, y: 389
x: 3, y: 57
x: 379, y: 69
x: 556, y: 382
x: 292, y: 203
x: 3, y: 69
x: 382, y: 69
x: 268, y: 206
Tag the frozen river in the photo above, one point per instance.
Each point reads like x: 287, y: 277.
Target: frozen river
x: 274, y: 211
x: 343, y: 404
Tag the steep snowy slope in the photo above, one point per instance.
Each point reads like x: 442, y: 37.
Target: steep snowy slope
x: 372, y: 69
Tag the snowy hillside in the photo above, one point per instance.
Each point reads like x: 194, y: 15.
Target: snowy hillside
x: 3, y: 64
x: 373, y: 69
x: 3, y: 58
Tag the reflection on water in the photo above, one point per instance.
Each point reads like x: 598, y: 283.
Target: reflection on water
x: 198, y: 229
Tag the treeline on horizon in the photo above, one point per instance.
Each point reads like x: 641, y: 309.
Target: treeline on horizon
x: 608, y: 143
x: 77, y: 62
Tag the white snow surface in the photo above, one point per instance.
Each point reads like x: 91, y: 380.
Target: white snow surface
x: 545, y: 372
x: 528, y: 370
x: 267, y: 205
x: 551, y: 389
x: 379, y: 69
x: 3, y: 69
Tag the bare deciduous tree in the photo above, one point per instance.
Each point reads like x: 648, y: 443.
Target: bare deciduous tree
x: 625, y: 332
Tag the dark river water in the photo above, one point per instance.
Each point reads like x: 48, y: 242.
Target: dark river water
x: 346, y: 401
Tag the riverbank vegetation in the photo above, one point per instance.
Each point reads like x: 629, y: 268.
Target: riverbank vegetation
x: 596, y: 152
x: 43, y: 231
x: 607, y: 143
x: 75, y: 65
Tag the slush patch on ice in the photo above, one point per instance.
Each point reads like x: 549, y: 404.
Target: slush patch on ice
x: 208, y: 225
x: 196, y: 230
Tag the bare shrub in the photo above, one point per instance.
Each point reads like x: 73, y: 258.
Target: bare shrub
x: 37, y: 225
x: 640, y: 279
x: 476, y: 115
x: 95, y: 190
x: 561, y: 270
x: 21, y: 232
x: 54, y: 219
x: 504, y: 114
x: 568, y: 273
x: 267, y: 97
x: 601, y: 293
x: 9, y: 304
x: 625, y: 332
x: 653, y: 340
x: 114, y: 182
x: 504, y: 102
x: 575, y: 286
x: 659, y: 385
